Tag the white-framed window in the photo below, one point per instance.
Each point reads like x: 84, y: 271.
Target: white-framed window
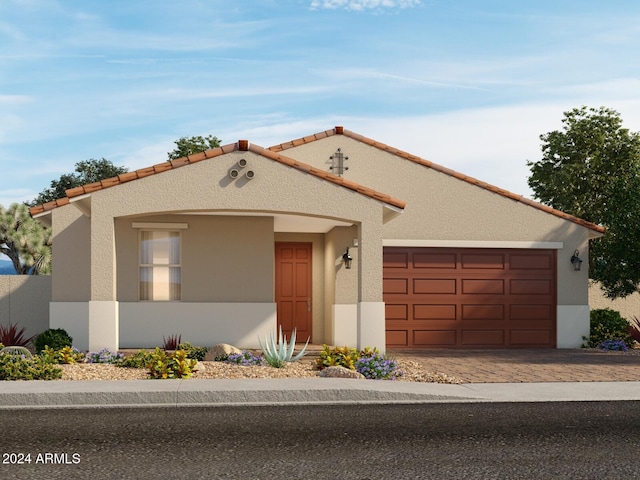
x: 160, y: 265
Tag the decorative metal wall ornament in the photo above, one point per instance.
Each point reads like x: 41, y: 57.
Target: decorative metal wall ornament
x: 338, y: 163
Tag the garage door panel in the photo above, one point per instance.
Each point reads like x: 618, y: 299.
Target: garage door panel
x: 434, y: 312
x: 529, y: 286
x: 531, y: 262
x: 395, y: 286
x: 530, y: 312
x: 396, y: 260
x: 482, y: 286
x: 397, y: 338
x: 493, y: 298
x: 483, y: 338
x: 442, y: 286
x: 434, y: 338
x: 530, y: 337
x: 396, y: 312
x: 484, y: 261
x: 483, y: 312
x: 435, y: 260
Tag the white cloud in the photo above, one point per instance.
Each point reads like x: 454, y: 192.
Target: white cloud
x: 359, y: 5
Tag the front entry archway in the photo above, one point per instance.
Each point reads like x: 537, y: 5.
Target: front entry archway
x: 293, y: 285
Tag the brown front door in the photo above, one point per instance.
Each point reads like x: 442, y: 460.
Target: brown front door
x: 293, y: 289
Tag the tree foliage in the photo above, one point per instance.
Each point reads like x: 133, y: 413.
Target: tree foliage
x: 25, y: 241
x: 87, y: 171
x: 591, y: 169
x: 190, y: 145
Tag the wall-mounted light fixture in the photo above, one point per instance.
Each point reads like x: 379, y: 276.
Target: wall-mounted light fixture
x: 576, y: 261
x: 347, y: 259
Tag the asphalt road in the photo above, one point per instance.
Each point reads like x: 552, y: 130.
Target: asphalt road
x: 357, y: 442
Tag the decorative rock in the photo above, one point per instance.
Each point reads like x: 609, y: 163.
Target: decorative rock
x: 219, y: 350
x: 340, y: 372
x: 199, y: 367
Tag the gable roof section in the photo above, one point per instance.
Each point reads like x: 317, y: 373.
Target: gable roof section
x: 478, y: 183
x: 241, y: 145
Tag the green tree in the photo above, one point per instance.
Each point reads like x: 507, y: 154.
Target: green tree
x: 591, y: 169
x: 190, y: 145
x: 25, y: 241
x: 87, y: 171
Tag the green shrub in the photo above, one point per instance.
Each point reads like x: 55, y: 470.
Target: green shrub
x: 55, y: 338
x: 140, y: 359
x: 337, y: 356
x: 607, y: 324
x: 66, y: 355
x: 177, y: 365
x: 197, y: 353
x: 35, y: 368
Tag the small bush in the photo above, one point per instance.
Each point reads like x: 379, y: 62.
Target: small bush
x: 140, y: 359
x: 34, y: 368
x: 177, y: 365
x: 172, y: 342
x: 103, y: 356
x: 55, y: 338
x: 66, y: 355
x: 245, y: 359
x: 12, y: 337
x: 375, y: 366
x: 197, y: 353
x: 607, y: 324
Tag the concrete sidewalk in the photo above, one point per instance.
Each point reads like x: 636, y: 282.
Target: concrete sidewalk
x: 145, y: 393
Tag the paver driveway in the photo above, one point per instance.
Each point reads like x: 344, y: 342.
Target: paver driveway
x: 528, y: 365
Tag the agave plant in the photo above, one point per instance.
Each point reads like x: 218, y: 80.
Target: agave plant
x: 278, y: 353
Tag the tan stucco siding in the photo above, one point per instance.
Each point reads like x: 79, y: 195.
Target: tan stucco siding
x: 71, y: 255
x: 206, y: 186
x: 441, y: 207
x: 223, y: 259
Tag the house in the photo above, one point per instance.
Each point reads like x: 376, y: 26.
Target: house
x: 348, y: 240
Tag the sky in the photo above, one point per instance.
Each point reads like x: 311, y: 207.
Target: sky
x: 467, y: 84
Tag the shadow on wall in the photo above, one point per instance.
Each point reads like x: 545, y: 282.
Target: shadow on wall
x: 24, y: 301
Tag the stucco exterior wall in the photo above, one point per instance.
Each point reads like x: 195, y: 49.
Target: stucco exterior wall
x: 447, y: 209
x: 206, y: 186
x: 71, y: 255
x: 24, y: 301
x: 224, y: 258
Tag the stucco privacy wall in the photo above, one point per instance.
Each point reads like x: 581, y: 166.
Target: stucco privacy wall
x: 446, y: 211
x: 629, y: 307
x: 24, y: 301
x: 204, y: 188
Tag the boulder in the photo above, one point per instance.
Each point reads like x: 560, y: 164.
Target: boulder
x: 199, y: 367
x: 221, y: 349
x: 340, y: 372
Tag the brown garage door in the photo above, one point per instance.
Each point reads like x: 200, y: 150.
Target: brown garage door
x: 470, y: 298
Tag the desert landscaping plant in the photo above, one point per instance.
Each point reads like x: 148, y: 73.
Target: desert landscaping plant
x: 14, y: 367
x: 104, y: 356
x: 613, y: 346
x: 55, y: 338
x: 607, y: 324
x: 342, y: 356
x: 176, y: 365
x: 172, y: 342
x: 197, y: 353
x: 634, y: 328
x: 245, y: 358
x: 140, y: 359
x: 376, y: 366
x: 65, y: 356
x: 277, y: 354
x: 11, y: 336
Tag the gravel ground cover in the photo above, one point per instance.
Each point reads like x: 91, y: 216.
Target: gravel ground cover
x: 412, y: 372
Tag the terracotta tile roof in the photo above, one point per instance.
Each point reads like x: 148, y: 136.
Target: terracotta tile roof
x: 505, y: 193
x: 242, y: 145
